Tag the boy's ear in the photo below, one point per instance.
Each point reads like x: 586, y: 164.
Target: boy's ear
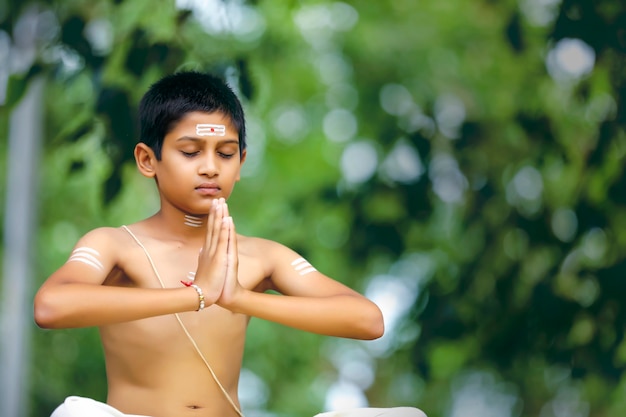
x: 145, y: 159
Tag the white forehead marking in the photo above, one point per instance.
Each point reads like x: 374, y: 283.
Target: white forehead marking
x: 193, y: 221
x: 87, y: 256
x: 302, y: 266
x: 207, y: 129
x: 191, y: 276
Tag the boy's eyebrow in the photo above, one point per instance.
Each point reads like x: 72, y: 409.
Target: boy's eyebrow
x: 194, y: 139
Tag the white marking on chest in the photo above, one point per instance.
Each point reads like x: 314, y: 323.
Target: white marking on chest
x: 207, y: 129
x: 302, y: 266
x: 87, y: 256
x: 193, y: 221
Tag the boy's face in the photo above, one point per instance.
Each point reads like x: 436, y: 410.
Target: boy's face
x: 200, y: 161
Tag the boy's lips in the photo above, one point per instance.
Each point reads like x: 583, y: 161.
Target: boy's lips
x: 208, y: 189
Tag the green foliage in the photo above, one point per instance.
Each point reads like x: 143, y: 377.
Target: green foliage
x: 495, y: 202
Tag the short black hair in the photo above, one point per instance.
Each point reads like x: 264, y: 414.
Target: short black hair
x: 168, y: 100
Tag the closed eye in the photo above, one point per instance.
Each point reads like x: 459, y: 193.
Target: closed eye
x: 190, y: 154
x: 226, y: 155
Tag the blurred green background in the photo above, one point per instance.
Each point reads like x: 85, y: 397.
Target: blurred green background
x: 459, y: 162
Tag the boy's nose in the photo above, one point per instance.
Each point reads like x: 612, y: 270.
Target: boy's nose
x: 208, y: 166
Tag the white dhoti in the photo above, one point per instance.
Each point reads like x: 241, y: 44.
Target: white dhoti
x: 86, y: 407
x: 376, y: 412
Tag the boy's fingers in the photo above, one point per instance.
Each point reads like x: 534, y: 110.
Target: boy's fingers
x: 210, y: 221
x: 214, y: 263
x: 233, y: 251
x: 221, y: 247
x: 227, y: 221
x: 215, y: 227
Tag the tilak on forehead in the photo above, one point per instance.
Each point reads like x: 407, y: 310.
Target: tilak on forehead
x: 208, y: 129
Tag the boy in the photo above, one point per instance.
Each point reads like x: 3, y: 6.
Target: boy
x: 172, y: 294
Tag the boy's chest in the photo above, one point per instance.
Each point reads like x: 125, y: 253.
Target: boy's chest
x: 171, y: 265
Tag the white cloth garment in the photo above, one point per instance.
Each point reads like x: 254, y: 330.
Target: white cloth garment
x: 376, y: 412
x: 86, y: 407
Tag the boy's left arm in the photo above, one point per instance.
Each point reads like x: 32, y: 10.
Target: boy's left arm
x: 308, y: 299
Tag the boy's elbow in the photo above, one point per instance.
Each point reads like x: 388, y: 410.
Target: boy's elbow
x: 375, y: 327
x: 44, y: 312
x: 373, y: 333
x: 378, y: 329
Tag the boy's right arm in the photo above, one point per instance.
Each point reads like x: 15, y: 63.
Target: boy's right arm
x: 74, y: 295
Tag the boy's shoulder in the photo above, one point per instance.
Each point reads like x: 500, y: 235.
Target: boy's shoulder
x: 255, y: 246
x: 110, y: 237
x: 252, y: 245
x: 105, y: 232
x: 267, y: 251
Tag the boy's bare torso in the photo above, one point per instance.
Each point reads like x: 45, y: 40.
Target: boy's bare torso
x: 152, y: 366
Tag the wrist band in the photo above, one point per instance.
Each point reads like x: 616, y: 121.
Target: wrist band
x: 200, y: 296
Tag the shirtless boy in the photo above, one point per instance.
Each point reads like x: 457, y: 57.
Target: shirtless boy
x: 172, y: 294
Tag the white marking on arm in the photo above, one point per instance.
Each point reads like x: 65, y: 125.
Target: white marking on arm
x: 306, y: 271
x: 87, y: 256
x: 302, y: 266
